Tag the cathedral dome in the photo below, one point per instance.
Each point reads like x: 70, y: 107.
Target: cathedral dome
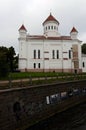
x: 51, y: 26
x: 50, y: 18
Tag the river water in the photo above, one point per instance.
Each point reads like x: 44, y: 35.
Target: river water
x: 72, y: 119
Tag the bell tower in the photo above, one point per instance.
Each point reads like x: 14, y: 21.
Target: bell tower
x: 22, y: 48
x: 74, y: 33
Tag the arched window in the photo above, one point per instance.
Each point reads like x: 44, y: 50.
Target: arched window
x: 53, y: 54
x: 34, y: 65
x: 38, y: 65
x: 52, y: 27
x: 34, y: 54
x: 38, y: 54
x: 57, y: 54
x: 69, y: 54
x: 83, y: 64
x: 49, y: 27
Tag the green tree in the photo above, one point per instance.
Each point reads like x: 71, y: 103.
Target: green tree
x: 84, y: 48
x: 11, y: 58
x: 8, y: 60
x: 4, y: 65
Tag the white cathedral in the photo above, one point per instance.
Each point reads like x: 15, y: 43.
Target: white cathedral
x: 50, y: 52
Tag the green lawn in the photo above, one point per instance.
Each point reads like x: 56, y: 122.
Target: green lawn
x: 22, y: 75
x: 35, y: 74
x: 31, y: 74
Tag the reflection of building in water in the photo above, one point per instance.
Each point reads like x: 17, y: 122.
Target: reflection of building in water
x: 50, y: 52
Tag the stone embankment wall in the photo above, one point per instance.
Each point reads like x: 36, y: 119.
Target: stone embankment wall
x: 22, y: 107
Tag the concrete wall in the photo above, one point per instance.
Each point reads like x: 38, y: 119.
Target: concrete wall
x: 22, y: 107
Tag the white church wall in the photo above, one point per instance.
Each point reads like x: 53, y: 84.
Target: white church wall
x: 84, y: 63
x: 32, y: 45
x: 79, y: 54
x: 22, y: 64
x: 55, y: 64
x: 22, y: 49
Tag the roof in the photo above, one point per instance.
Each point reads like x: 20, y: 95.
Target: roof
x: 22, y: 28
x: 50, y: 18
x: 74, y: 30
x: 42, y: 37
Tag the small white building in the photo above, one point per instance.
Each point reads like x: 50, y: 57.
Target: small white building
x: 50, y: 52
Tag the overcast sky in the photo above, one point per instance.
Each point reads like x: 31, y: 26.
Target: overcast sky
x: 32, y: 13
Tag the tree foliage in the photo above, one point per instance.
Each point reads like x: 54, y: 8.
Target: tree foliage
x: 84, y: 48
x: 11, y: 54
x: 8, y: 60
x: 4, y: 67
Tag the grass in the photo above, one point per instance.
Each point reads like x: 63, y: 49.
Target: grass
x: 22, y: 75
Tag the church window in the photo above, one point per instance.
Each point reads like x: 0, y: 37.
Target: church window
x: 69, y: 54
x: 34, y: 65
x: 38, y: 54
x: 53, y: 54
x: 55, y: 27
x: 38, y: 65
x: 34, y: 54
x: 48, y: 27
x: 57, y: 54
x: 83, y: 64
x: 51, y: 27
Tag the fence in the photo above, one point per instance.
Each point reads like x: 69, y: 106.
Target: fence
x: 39, y: 80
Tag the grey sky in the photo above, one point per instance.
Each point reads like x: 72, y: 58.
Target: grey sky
x: 32, y: 13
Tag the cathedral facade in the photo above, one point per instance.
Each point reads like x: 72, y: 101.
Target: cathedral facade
x: 50, y: 52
